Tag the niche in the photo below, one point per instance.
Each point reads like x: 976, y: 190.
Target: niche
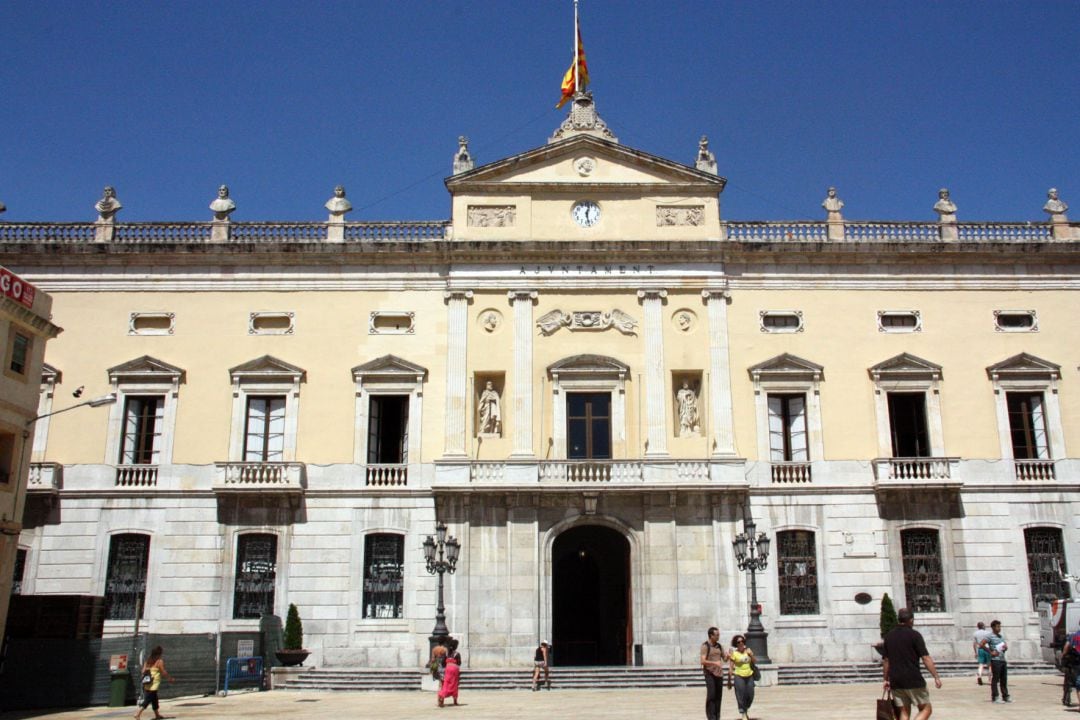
x: 686, y: 388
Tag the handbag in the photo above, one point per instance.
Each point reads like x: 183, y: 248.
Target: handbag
x: 885, y: 708
x: 757, y: 672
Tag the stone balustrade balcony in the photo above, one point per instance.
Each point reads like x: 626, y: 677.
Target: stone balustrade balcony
x: 1034, y: 470
x: 288, y: 478
x: 136, y: 476
x: 784, y: 473
x: 45, y: 479
x: 386, y: 475
x: 566, y: 473
x: 916, y: 472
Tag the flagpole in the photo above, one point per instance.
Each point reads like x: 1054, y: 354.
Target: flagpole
x: 577, y: 73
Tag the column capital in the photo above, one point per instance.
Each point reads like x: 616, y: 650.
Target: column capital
x: 521, y: 295
x: 716, y: 294
x: 652, y: 294
x: 457, y: 294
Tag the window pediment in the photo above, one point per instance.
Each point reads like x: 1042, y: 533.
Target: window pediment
x: 1024, y: 367
x: 146, y: 369
x: 267, y: 369
x: 389, y: 368
x: 905, y: 366
x: 786, y: 368
x: 589, y: 366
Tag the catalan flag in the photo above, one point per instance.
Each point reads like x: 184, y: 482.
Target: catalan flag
x: 577, y: 77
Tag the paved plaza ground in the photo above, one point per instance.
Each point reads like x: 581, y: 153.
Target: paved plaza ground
x: 1035, y: 698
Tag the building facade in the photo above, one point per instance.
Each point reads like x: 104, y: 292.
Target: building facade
x: 591, y: 378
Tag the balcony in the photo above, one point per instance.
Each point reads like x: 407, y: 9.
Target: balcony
x: 1034, y: 470
x: 916, y: 472
x: 590, y: 471
x: 45, y: 480
x: 387, y: 475
x: 136, y: 476
x: 279, y: 478
x: 790, y: 473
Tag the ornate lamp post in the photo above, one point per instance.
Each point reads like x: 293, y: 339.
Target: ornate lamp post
x: 752, y: 553
x: 434, y: 551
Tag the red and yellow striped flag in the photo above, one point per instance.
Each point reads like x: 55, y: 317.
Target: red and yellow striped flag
x: 577, y: 77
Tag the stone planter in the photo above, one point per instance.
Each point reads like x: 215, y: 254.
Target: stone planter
x: 290, y: 658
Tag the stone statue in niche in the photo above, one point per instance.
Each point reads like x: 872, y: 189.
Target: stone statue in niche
x: 490, y: 412
x: 689, y: 422
x: 1054, y: 205
x: 108, y: 205
x: 223, y: 205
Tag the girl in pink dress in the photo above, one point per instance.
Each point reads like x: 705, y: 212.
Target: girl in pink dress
x: 453, y: 673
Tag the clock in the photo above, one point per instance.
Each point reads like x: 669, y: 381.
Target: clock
x: 586, y: 213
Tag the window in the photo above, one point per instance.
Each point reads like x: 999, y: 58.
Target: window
x: 391, y: 323
x: 20, y: 571
x: 388, y: 429
x: 384, y: 576
x: 796, y: 566
x: 20, y: 353
x: 923, y: 581
x: 264, y: 434
x: 1015, y: 321
x: 270, y: 323
x: 1046, y: 564
x: 1027, y: 426
x: 151, y: 323
x: 256, y: 573
x: 143, y: 420
x: 781, y: 321
x: 125, y: 581
x: 787, y: 428
x: 907, y: 423
x: 899, y: 321
x: 7, y: 456
x: 588, y: 426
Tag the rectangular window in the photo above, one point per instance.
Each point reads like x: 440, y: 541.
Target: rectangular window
x: 264, y: 434
x: 924, y: 583
x: 143, y: 422
x: 7, y: 457
x: 787, y: 428
x: 588, y: 426
x: 796, y: 566
x: 907, y: 423
x: 125, y: 581
x: 384, y: 576
x: 20, y: 571
x: 20, y: 353
x: 256, y: 574
x: 1046, y: 564
x: 388, y: 429
x: 1027, y: 426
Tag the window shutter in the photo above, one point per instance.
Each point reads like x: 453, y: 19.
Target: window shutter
x: 797, y: 412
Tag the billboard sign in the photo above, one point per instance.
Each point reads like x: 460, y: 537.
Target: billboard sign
x: 14, y: 287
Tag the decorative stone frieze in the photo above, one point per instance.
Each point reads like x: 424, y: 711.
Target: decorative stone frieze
x: 552, y: 321
x: 675, y: 215
x: 492, y: 215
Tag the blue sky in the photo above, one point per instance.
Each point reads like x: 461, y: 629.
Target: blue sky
x: 282, y: 100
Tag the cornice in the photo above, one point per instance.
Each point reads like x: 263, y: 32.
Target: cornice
x: 27, y: 317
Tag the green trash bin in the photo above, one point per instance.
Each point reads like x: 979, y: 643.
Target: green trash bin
x: 119, y: 685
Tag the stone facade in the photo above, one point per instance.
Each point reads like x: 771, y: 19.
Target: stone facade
x: 804, y: 343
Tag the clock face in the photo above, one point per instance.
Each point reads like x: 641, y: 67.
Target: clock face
x: 586, y: 213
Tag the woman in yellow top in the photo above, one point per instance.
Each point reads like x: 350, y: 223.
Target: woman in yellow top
x: 154, y: 668
x: 742, y: 670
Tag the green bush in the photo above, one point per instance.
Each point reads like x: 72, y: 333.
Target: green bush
x: 888, y: 615
x: 294, y: 630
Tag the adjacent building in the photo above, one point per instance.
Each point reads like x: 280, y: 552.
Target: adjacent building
x: 592, y: 378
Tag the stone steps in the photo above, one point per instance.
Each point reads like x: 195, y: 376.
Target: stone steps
x: 359, y: 679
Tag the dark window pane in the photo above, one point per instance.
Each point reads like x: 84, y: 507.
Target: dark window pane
x: 388, y: 422
x: 20, y: 571
x: 256, y: 573
x: 142, y: 429
x: 384, y: 576
x: 588, y: 426
x: 1046, y: 564
x: 907, y: 421
x: 20, y: 352
x: 1027, y: 425
x: 796, y: 566
x: 125, y: 581
x: 923, y: 581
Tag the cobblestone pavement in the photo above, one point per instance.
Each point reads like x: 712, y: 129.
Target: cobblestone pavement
x: 1035, y: 698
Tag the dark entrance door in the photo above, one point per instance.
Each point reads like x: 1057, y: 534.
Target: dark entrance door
x: 591, y: 620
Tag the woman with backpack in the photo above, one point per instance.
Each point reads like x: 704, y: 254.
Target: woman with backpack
x: 153, y: 672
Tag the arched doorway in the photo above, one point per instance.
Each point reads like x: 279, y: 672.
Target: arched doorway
x: 591, y: 619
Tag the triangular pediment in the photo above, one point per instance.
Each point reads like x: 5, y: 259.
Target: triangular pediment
x: 145, y: 368
x: 388, y: 366
x: 589, y: 365
x: 905, y: 366
x: 584, y: 161
x: 266, y: 366
x: 1024, y: 365
x: 786, y: 367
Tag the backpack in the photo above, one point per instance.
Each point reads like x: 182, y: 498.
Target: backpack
x: 147, y: 679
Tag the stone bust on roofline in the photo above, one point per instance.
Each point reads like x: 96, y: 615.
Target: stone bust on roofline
x: 223, y: 204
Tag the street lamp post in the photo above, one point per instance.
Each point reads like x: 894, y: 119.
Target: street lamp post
x: 435, y: 550
x: 752, y: 553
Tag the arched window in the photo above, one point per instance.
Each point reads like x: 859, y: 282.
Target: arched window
x: 924, y: 584
x: 256, y: 575
x: 796, y: 568
x: 384, y: 575
x: 1046, y: 564
x: 125, y: 578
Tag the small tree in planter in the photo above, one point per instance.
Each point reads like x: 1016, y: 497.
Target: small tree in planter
x: 886, y: 622
x: 293, y: 652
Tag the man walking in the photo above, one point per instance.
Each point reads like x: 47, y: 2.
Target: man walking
x: 713, y: 661
x: 999, y: 667
x: 1070, y: 664
x: 981, y: 656
x: 904, y: 648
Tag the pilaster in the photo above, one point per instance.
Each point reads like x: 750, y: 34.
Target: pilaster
x: 521, y: 431
x: 652, y: 303
x: 457, y: 322
x: 723, y: 419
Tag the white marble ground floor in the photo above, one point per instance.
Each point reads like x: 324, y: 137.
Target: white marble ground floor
x: 608, y: 574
